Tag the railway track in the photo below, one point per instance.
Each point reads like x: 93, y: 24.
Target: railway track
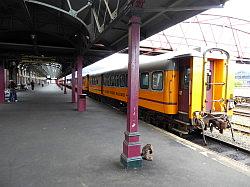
x: 229, y: 149
x: 230, y: 142
x: 244, y: 129
x: 241, y: 113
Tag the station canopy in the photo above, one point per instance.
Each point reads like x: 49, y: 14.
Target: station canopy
x: 227, y: 28
x: 96, y: 28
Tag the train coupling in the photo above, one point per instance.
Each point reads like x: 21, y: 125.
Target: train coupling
x: 211, y: 121
x: 207, y: 120
x: 220, y: 124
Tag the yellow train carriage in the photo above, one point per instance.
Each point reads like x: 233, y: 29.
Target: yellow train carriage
x: 178, y: 85
x: 154, y: 94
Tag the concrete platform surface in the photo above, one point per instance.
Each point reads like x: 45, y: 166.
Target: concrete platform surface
x: 45, y: 142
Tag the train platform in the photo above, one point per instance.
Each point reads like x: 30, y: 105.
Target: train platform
x: 45, y: 142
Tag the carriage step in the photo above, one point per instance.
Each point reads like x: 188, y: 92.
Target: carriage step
x: 182, y: 122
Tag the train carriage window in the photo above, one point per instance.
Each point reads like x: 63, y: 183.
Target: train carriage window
x: 208, y: 72
x: 209, y: 79
x: 126, y: 80
x: 157, y: 80
x: 144, y: 81
x: 112, y: 77
x: 117, y: 81
x: 186, y: 78
x: 106, y: 80
x: 122, y: 80
x: 114, y: 81
x: 109, y: 81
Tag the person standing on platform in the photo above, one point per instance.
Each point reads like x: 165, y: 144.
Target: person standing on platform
x: 13, y: 95
x: 32, y: 85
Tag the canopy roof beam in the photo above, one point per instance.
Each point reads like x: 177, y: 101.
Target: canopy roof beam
x: 73, y: 13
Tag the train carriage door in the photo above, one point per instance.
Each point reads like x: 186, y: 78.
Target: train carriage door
x: 216, y: 85
x: 209, y: 71
x: 184, y: 69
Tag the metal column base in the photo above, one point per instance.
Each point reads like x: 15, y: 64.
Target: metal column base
x: 131, y: 163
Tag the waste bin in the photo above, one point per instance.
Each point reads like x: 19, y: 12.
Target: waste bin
x: 82, y: 103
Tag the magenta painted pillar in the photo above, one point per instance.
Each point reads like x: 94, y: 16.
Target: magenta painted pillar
x: 73, y: 85
x: 2, y: 85
x: 80, y: 103
x: 65, y: 88
x: 131, y: 156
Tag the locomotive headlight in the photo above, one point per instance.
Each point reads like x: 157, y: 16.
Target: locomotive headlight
x: 230, y: 104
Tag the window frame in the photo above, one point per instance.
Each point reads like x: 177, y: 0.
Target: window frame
x: 148, y: 86
x: 152, y: 85
x: 186, y: 80
x: 112, y: 80
x: 122, y: 80
x: 117, y: 80
x: 126, y: 80
x: 209, y: 80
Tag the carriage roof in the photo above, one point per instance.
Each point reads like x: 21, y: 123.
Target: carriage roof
x: 161, y: 62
